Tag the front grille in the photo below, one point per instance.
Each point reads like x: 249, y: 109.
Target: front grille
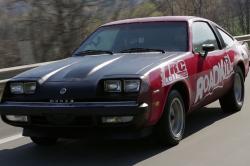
x: 62, y: 120
x: 71, y: 99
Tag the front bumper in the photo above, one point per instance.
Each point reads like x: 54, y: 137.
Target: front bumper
x: 75, y: 120
x: 73, y: 115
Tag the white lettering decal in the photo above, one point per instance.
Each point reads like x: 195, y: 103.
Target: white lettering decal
x: 208, y: 83
x: 174, y: 72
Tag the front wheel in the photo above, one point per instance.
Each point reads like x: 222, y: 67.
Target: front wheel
x: 44, y: 141
x: 234, y: 99
x: 170, y: 128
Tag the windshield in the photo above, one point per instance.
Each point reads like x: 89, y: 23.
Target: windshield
x: 167, y: 36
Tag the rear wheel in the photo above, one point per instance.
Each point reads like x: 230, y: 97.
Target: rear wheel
x: 44, y: 141
x: 170, y: 128
x: 234, y: 99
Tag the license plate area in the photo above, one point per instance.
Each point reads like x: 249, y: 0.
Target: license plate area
x: 62, y: 120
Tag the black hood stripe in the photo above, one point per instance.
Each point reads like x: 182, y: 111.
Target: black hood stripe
x: 94, y: 68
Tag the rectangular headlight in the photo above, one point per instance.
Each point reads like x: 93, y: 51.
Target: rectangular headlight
x: 132, y: 85
x: 29, y: 87
x: 16, y: 88
x: 23, y: 88
x: 112, y: 86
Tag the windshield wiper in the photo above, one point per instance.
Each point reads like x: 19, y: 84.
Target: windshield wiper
x: 131, y: 50
x: 94, y: 52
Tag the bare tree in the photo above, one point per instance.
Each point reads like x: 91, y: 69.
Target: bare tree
x: 44, y: 30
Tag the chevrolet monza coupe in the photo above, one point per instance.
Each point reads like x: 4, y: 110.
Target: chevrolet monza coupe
x: 128, y: 79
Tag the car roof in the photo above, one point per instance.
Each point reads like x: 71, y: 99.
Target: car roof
x: 154, y: 19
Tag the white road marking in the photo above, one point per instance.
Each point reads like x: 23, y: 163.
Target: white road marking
x: 11, y: 138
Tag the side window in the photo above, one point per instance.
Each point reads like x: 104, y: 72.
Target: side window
x: 202, y: 34
x: 227, y: 39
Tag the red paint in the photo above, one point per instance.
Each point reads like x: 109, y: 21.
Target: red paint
x: 188, y: 69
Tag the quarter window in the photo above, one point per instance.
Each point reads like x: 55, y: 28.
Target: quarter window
x: 226, y: 38
x: 202, y: 34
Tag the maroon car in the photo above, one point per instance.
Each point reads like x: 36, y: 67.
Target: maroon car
x: 130, y: 78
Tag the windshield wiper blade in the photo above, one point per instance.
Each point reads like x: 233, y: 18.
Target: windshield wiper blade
x: 131, y: 50
x: 94, y: 52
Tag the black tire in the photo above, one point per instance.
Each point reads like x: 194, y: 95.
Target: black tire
x: 43, y: 141
x: 164, y: 132
x: 233, y: 102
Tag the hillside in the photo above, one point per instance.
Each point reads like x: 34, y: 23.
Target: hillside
x: 43, y: 30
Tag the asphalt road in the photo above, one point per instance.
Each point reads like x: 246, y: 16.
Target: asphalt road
x: 212, y: 138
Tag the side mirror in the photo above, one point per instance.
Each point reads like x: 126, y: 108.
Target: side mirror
x: 207, y: 48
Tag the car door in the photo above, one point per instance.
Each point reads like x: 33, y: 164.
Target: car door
x: 209, y: 72
x: 229, y: 46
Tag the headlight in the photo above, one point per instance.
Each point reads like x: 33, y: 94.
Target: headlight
x: 132, y: 85
x: 29, y: 87
x: 23, y: 88
x: 16, y: 88
x: 112, y: 86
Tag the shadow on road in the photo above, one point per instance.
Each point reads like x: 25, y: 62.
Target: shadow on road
x: 202, y: 118
x: 79, y: 152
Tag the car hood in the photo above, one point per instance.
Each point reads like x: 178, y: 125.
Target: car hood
x: 90, y: 67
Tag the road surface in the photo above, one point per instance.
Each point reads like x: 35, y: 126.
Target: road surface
x: 212, y: 139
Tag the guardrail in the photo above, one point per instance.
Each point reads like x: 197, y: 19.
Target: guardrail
x: 8, y: 73
x: 12, y: 71
x: 244, y: 38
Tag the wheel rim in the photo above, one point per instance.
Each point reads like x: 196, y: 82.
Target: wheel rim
x: 238, y: 88
x: 176, y: 117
